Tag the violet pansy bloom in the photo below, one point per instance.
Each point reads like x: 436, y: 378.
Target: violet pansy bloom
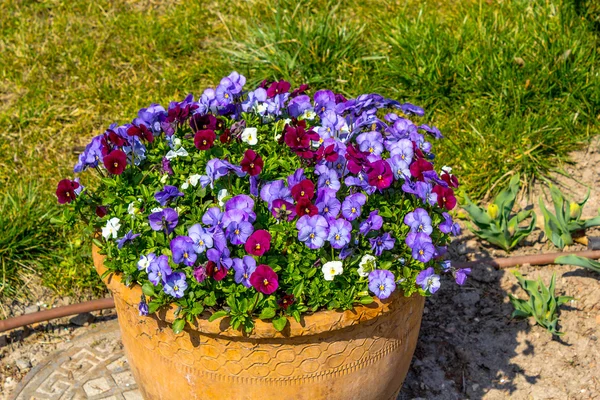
x: 328, y: 205
x: 370, y: 142
x: 283, y: 210
x: 339, y: 233
x: 352, y: 206
x: 460, y: 275
x: 129, y: 236
x: 167, y: 194
x: 220, y: 255
x: 448, y: 226
x: 382, y: 283
x: 202, y: 239
x: 419, y: 221
x: 175, y: 285
x: 399, y: 167
x: 275, y: 190
x: 421, y: 245
x: 159, y: 270
x: 243, y: 270
x: 329, y: 179
x: 313, y: 231
x: 145, y: 261
x: 297, y: 177
x: 428, y: 280
x: 213, y: 218
x: 403, y: 148
x: 324, y: 100
x: 373, y: 223
x: 244, y: 203
x: 381, y: 243
x: 164, y: 220
x: 183, y: 249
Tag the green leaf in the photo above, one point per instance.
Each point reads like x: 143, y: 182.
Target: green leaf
x: 279, y: 323
x: 178, y: 325
x: 217, y: 315
x: 366, y: 300
x: 153, y: 306
x: 267, y: 313
x: 148, y: 289
x: 579, y: 261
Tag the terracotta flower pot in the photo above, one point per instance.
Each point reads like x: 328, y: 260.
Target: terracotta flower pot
x: 361, y: 355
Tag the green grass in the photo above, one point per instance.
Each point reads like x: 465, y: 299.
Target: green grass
x: 513, y: 85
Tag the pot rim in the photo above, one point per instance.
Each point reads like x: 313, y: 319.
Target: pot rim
x: 310, y: 324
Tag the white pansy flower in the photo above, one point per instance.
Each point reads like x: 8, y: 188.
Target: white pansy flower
x: 308, y: 114
x: 180, y: 152
x: 176, y: 142
x: 156, y: 209
x: 192, y: 180
x: 260, y: 108
x: 132, y: 209
x: 249, y: 135
x: 287, y: 121
x: 164, y: 178
x: 112, y: 227
x: 331, y: 269
x: 221, y: 195
x: 144, y: 263
x: 447, y: 169
x: 368, y: 261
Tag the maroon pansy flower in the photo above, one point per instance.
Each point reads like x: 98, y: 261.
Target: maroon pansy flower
x: 278, y: 88
x: 328, y: 153
x: 101, y: 211
x: 65, y: 191
x: 264, y: 279
x: 298, y: 138
x: 380, y: 174
x: 203, y: 122
x: 204, y: 139
x: 418, y: 167
x: 286, y: 301
x: 225, y: 137
x: 356, y: 159
x: 140, y: 131
x: 216, y: 273
x: 303, y: 190
x: 450, y: 179
x: 252, y: 163
x: 301, y: 90
x: 258, y: 243
x: 305, y: 207
x: 115, y: 162
x: 445, y: 197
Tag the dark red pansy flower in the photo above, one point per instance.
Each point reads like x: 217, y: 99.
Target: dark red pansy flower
x: 141, y: 131
x: 303, y: 190
x: 225, y: 137
x: 204, y: 139
x: 445, y: 197
x: 328, y: 153
x: 116, y: 139
x: 258, y: 243
x: 299, y: 138
x: 252, y: 163
x: 418, y: 167
x: 115, y: 162
x: 380, y: 174
x: 450, y: 179
x: 356, y: 159
x: 216, y: 273
x: 301, y: 90
x: 202, y: 122
x: 305, y: 207
x: 278, y: 88
x: 101, y: 211
x: 286, y: 301
x: 264, y: 279
x: 65, y: 191
x: 264, y: 83
x: 220, y: 124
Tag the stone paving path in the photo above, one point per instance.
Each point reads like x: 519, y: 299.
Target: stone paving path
x: 92, y: 367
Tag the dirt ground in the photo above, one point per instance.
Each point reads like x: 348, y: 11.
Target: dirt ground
x: 469, y: 347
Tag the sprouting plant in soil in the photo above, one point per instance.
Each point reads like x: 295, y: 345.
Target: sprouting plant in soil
x: 498, y: 224
x: 542, y: 303
x: 560, y: 226
x: 572, y: 259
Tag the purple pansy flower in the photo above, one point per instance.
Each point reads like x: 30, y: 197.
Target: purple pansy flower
x: 370, y: 142
x: 175, y: 285
x: 400, y: 168
x: 167, y: 194
x: 297, y: 177
x: 145, y: 261
x: 327, y: 204
x: 298, y: 105
x: 92, y: 156
x: 381, y: 243
x: 448, y: 226
x: 382, y: 283
x: 425, y: 193
x: 143, y: 308
x: 361, y: 181
x: 373, y: 223
x: 421, y: 245
x: 203, y: 240
x: 339, y: 233
x: 460, y: 275
x: 129, y: 236
x: 213, y: 218
x: 402, y: 148
x: 243, y: 270
x: 165, y: 220
x: 352, y: 205
x: 419, y: 221
x: 428, y: 280
x: 183, y: 250
x: 220, y: 255
x: 313, y: 231
x: 244, y: 203
x: 159, y: 270
x: 328, y: 178
x: 432, y: 130
x: 408, y: 108
x: 275, y: 190
x: 324, y: 100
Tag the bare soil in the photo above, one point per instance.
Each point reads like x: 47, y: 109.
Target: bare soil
x: 469, y: 347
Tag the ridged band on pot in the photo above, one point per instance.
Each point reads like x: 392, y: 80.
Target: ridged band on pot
x: 362, y: 354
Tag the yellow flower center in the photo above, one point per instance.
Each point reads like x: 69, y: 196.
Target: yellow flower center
x: 237, y: 232
x: 353, y: 209
x: 381, y: 286
x: 204, y: 142
x: 251, y: 165
x: 257, y: 247
x: 175, y: 288
x: 312, y: 235
x: 266, y: 282
x: 115, y: 164
x: 185, y: 255
x: 421, y: 252
x: 201, y: 243
x: 379, y: 177
x: 302, y: 193
x: 337, y: 237
x: 371, y: 149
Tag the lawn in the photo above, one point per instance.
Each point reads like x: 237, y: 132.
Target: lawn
x: 513, y: 85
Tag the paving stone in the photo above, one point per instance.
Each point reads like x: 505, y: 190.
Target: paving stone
x: 92, y: 367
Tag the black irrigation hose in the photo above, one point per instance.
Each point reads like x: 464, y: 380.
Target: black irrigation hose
x: 101, y: 304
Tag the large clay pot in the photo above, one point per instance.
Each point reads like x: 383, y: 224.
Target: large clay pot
x: 360, y: 355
